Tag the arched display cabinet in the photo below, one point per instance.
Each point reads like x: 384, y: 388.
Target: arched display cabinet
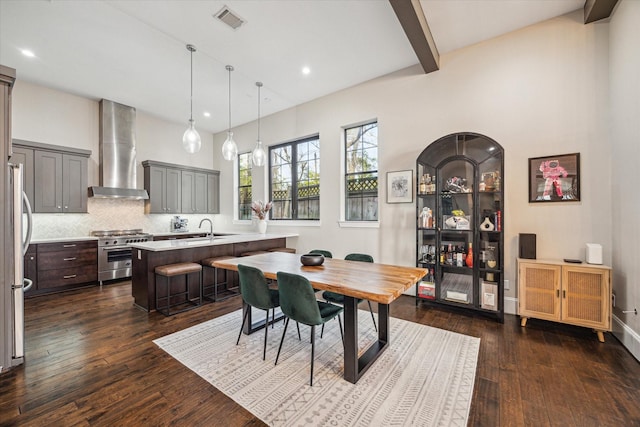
x: 460, y: 209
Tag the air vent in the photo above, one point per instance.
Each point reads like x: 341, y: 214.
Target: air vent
x: 229, y: 17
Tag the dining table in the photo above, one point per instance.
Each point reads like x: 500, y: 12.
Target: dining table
x: 356, y: 280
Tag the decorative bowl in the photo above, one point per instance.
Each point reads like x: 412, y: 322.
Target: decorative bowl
x: 312, y: 259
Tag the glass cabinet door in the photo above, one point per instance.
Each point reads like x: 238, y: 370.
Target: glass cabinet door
x: 460, y: 218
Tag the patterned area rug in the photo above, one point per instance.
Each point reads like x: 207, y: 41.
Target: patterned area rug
x: 425, y: 376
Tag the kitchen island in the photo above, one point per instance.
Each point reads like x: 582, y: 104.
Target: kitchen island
x: 146, y: 256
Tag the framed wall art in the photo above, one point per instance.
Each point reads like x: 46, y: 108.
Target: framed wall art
x: 554, y: 178
x: 400, y: 187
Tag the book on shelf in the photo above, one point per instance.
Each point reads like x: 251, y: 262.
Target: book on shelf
x: 427, y: 290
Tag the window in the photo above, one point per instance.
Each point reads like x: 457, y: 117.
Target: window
x: 295, y: 179
x: 244, y: 186
x: 361, y: 177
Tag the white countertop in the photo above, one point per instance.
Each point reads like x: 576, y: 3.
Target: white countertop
x: 170, y: 245
x: 62, y: 239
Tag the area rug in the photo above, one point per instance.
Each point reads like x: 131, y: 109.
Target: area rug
x: 424, y: 378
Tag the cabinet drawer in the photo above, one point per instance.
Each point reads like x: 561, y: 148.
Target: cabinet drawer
x: 67, y: 246
x: 67, y: 276
x: 67, y: 259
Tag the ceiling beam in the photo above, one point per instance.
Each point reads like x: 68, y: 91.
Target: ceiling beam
x: 595, y: 10
x: 414, y: 24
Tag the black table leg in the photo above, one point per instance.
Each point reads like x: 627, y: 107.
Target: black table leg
x: 355, y: 367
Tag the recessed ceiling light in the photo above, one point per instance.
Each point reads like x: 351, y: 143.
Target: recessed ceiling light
x: 306, y: 71
x: 206, y: 114
x: 28, y: 53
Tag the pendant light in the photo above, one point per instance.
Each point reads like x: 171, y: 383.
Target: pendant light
x: 229, y: 148
x: 259, y: 155
x: 191, y: 141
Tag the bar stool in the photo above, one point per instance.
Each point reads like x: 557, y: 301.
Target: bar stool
x: 206, y: 289
x: 287, y: 250
x: 172, y: 270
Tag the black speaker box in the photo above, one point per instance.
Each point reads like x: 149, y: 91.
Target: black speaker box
x: 527, y: 243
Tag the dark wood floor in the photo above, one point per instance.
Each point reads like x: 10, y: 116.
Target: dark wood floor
x: 91, y: 361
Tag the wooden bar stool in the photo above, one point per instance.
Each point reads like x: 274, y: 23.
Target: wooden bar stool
x: 172, y: 270
x: 206, y: 289
x: 287, y: 250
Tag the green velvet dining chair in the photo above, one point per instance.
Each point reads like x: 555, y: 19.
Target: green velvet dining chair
x: 256, y: 293
x: 335, y: 298
x: 298, y: 302
x: 326, y: 254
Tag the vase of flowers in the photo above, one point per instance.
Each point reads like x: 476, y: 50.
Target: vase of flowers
x: 260, y: 211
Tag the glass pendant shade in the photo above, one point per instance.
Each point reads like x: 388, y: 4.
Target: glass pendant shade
x: 191, y: 141
x: 229, y: 148
x: 259, y: 155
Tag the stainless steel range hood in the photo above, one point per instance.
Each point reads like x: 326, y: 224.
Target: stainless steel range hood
x: 117, y: 153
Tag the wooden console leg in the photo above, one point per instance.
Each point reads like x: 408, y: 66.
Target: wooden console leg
x: 523, y: 321
x: 600, y: 336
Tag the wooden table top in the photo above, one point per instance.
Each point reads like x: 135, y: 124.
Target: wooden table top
x: 381, y: 283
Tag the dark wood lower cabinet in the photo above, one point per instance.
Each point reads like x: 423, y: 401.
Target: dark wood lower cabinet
x: 61, y: 266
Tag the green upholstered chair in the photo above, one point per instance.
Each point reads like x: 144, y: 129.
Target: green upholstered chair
x: 339, y: 298
x: 256, y: 293
x: 326, y: 254
x: 298, y: 302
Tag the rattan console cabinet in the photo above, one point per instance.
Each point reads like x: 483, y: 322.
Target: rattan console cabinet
x: 576, y: 294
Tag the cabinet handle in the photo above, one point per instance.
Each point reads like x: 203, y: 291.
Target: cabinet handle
x: 564, y: 294
x: 70, y: 259
x: 66, y: 207
x: 69, y: 246
x: 31, y: 258
x: 59, y: 207
x: 71, y: 276
x: 558, y: 293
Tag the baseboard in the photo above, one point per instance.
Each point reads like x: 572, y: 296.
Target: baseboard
x: 627, y: 336
x: 510, y: 305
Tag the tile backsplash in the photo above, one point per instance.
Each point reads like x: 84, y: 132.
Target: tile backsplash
x: 106, y: 214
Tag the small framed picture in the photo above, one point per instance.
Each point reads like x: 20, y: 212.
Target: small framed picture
x: 400, y: 187
x: 554, y: 178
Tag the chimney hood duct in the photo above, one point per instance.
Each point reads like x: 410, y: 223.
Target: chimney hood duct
x: 117, y: 153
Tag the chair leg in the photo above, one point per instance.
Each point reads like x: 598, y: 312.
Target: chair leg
x: 322, y: 330
x: 341, y: 334
x: 298, y: 326
x: 273, y: 317
x: 286, y: 323
x: 244, y: 319
x: 313, y: 346
x: 373, y: 318
x: 266, y: 330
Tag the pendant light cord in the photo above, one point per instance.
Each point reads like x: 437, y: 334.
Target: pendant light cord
x: 230, y: 69
x: 259, y: 85
x: 191, y: 108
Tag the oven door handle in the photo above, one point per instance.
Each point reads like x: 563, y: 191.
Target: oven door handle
x: 116, y: 248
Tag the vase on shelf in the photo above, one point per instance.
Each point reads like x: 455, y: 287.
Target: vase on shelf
x: 262, y: 226
x: 487, y: 225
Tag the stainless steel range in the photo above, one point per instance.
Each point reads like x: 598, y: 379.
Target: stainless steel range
x: 114, y: 252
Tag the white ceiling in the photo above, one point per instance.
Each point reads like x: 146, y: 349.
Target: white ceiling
x: 133, y: 51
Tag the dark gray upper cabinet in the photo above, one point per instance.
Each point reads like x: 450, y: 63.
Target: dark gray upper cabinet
x: 24, y: 156
x: 175, y: 189
x: 55, y: 177
x: 213, y: 193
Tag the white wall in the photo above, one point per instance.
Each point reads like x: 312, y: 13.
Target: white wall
x: 46, y: 115
x: 538, y: 91
x: 625, y: 129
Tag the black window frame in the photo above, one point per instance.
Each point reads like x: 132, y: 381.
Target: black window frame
x: 294, y: 167
x: 243, y: 207
x: 348, y: 174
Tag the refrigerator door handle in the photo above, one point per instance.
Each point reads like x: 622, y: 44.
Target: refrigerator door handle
x: 27, y: 284
x: 27, y: 239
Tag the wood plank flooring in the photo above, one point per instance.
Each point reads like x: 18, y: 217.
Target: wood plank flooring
x: 91, y: 361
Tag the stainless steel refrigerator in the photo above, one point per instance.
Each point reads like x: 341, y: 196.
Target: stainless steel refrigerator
x: 18, y: 229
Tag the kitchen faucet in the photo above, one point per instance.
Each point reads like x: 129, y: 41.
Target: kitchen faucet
x: 210, y: 226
